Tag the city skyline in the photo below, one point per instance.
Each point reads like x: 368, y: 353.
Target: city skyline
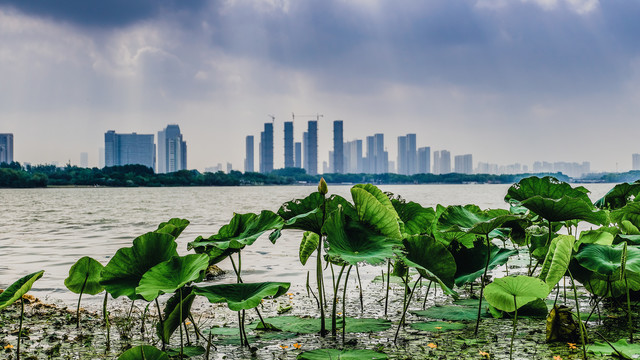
x: 507, y: 81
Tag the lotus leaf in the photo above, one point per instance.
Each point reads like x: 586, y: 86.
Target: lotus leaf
x: 323, y: 354
x: 502, y: 293
x: 122, y: 274
x: 172, y: 316
x: 303, y: 214
x: 470, y: 263
x: 565, y: 208
x: 629, y: 239
x: 187, y: 352
x: 628, y: 228
x: 431, y: 258
x: 375, y: 209
x: 438, y: 326
x: 305, y: 325
x: 84, y: 276
x: 630, y: 212
x: 309, y: 244
x: 622, y: 349
x: 143, y: 352
x: 417, y: 219
x: 353, y: 242
x: 18, y: 288
x: 470, y: 219
x: 242, y: 296
x: 450, y: 313
x: 170, y: 275
x: 599, y: 237
x: 602, y: 259
x: 557, y: 260
x: 619, y: 196
x: 546, y: 187
x: 173, y: 227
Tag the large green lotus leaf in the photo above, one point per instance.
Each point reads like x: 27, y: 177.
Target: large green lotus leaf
x: 215, y: 254
x: 602, y: 259
x: 629, y: 239
x: 470, y: 263
x: 375, y: 209
x: 303, y: 214
x: 598, y: 236
x: 451, y: 237
x: 242, y: 296
x: 143, y: 352
x: 308, y: 245
x: 122, y: 274
x: 613, y: 286
x: 628, y: 351
x: 307, y: 325
x: 84, y: 276
x: 173, y: 227
x: 431, y: 258
x: 172, y: 316
x: 523, y: 289
x: 557, y: 261
x: 450, y: 313
x: 628, y: 228
x: 565, y: 208
x: 472, y: 220
x: 323, y: 354
x: 546, y: 187
x: 438, y: 326
x: 352, y: 241
x: 619, y: 196
x: 18, y: 288
x: 630, y: 212
x: 170, y: 275
x: 417, y: 219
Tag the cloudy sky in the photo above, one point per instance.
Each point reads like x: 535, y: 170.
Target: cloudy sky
x: 506, y: 80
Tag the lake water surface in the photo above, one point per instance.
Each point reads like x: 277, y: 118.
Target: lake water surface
x: 52, y: 228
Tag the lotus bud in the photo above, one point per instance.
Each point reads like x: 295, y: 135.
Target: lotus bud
x: 322, y: 187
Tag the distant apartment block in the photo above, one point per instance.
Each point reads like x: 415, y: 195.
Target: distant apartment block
x: 249, y: 151
x: 407, y: 159
x: 353, y: 161
x: 172, y: 150
x: 463, y: 164
x: 424, y: 160
x: 573, y: 169
x: 338, y: 147
x: 129, y: 149
x: 441, y: 162
x: 311, y: 150
x: 635, y: 162
x: 288, y: 145
x: 6, y: 148
x: 298, y: 157
x: 266, y: 149
x: 489, y: 168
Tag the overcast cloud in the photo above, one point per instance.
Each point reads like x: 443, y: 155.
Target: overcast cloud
x: 508, y: 81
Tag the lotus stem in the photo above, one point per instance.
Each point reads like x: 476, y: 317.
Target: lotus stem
x: 186, y: 333
x: 513, y: 333
x: 209, y: 345
x: 386, y: 297
x: 626, y: 285
x: 20, y: 328
x: 482, y: 281
x: 80, y: 298
x: 261, y: 319
x: 236, y: 270
x: 360, y: 284
x: 581, y: 327
x: 105, y: 314
x: 131, y: 310
x: 406, y: 304
x: 144, y: 316
x: 310, y: 291
x: 344, y: 304
x: 335, y: 302
x: 240, y: 328
x: 244, y: 330
x: 323, y: 326
x: 180, y: 326
x: 161, y: 321
x: 426, y: 295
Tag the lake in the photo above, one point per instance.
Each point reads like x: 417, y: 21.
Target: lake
x: 52, y: 228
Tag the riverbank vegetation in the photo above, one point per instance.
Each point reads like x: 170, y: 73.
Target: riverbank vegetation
x: 453, y: 279
x: 15, y: 175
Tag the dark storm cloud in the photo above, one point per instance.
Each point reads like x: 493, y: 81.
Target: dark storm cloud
x: 111, y: 13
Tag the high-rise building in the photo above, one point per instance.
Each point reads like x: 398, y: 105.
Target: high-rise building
x: 463, y: 164
x: 338, y: 147
x: 402, y: 155
x: 353, y: 162
x: 436, y: 162
x: 128, y: 149
x: 6, y: 148
x: 84, y: 160
x: 412, y: 152
x: 381, y: 156
x: 172, y: 150
x: 248, y: 160
x: 635, y: 162
x: 445, y: 162
x: 266, y: 149
x: 370, y: 160
x: 288, y: 144
x: 305, y: 151
x: 312, y: 148
x: 298, y: 157
x: 424, y: 160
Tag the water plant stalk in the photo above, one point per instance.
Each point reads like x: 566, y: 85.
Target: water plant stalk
x: 424, y: 303
x: 319, y: 277
x: 180, y: 326
x: 513, y: 333
x: 630, y: 323
x: 360, y: 285
x: 406, y: 303
x: 159, y: 318
x: 580, y: 326
x: 335, y: 302
x: 105, y: 314
x: 80, y: 298
x: 344, y: 304
x: 482, y: 283
x: 20, y: 327
x: 386, y: 297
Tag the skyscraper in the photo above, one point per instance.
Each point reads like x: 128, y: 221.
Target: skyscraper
x: 424, y: 160
x: 288, y: 144
x: 353, y: 157
x: 381, y: 156
x: 298, y: 157
x: 370, y: 161
x: 463, y: 164
x: 445, y: 162
x: 436, y: 162
x: 248, y: 160
x: 635, y: 162
x: 266, y: 149
x: 338, y: 147
x: 6, y: 148
x: 172, y: 150
x: 411, y: 154
x: 402, y: 155
x: 128, y: 149
x: 312, y: 148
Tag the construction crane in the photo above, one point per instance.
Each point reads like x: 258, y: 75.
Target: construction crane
x: 273, y: 118
x: 317, y: 116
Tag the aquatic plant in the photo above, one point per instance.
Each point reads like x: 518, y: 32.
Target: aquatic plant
x: 84, y: 277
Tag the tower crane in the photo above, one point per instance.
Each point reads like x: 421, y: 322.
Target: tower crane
x: 317, y: 116
x: 273, y: 118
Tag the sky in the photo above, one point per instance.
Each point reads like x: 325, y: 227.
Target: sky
x: 505, y: 80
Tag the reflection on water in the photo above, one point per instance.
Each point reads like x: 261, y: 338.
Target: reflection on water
x: 52, y: 228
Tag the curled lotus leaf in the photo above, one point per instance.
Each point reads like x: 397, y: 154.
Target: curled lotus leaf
x: 546, y: 187
x: 619, y: 196
x: 431, y: 258
x: 173, y: 227
x: 557, y: 261
x: 374, y: 208
x: 242, y: 296
x: 18, y: 288
x: 417, y: 219
x: 470, y: 219
x: 629, y: 212
x: 308, y: 245
x: 470, y: 262
x: 564, y: 209
x: 168, y: 276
